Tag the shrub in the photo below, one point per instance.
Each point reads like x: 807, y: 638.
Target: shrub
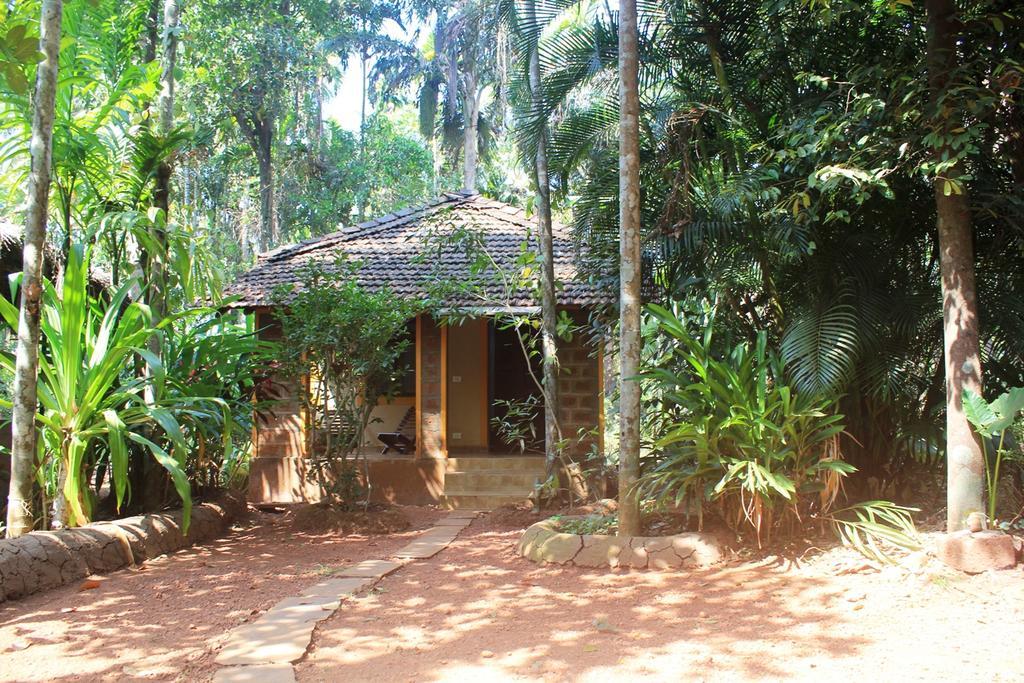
x: 347, y: 341
x: 93, y: 409
x: 732, y: 433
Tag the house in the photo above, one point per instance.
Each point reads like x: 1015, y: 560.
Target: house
x: 459, y: 375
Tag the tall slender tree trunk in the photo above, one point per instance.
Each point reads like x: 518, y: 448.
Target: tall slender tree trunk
x: 268, y: 205
x: 362, y: 197
x: 169, y: 60
x: 470, y: 149
x: 965, y: 460
x: 549, y: 314
x: 316, y: 131
x: 258, y: 129
x: 23, y: 447
x: 629, y: 269
x: 157, y: 294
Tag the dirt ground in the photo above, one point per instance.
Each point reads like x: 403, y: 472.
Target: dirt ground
x: 477, y: 612
x: 161, y: 621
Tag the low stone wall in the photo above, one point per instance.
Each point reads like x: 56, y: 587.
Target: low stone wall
x: 43, y: 560
x: 543, y: 542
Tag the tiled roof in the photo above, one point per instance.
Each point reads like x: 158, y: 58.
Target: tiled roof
x: 390, y: 253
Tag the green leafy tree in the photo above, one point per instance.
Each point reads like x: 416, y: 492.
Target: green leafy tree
x: 343, y: 343
x: 245, y: 59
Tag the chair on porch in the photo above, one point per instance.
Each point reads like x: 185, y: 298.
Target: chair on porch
x: 403, y: 439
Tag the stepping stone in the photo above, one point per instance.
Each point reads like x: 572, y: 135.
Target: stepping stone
x: 336, y: 588
x: 448, y: 532
x: 267, y: 641
x: 260, y: 673
x: 421, y: 550
x: 453, y: 521
x: 302, y: 609
x: 372, y: 569
x: 462, y: 514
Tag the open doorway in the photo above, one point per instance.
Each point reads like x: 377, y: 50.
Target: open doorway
x: 510, y: 381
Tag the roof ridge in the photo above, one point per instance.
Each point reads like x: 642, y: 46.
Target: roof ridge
x: 365, y: 228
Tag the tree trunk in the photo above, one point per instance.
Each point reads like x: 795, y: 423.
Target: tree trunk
x: 170, y: 56
x: 629, y: 270
x: 258, y: 129
x: 316, y: 131
x: 549, y: 314
x: 268, y: 208
x: 157, y: 291
x: 363, y: 196
x: 965, y: 460
x: 471, y: 109
x: 23, y: 447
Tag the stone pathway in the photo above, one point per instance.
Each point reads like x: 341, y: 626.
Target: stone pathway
x: 263, y: 651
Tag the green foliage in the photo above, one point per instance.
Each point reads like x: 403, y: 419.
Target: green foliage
x: 870, y: 526
x: 516, y: 424
x: 346, y: 342
x: 19, y: 48
x: 88, y: 402
x: 214, y: 366
x: 788, y: 173
x: 733, y: 433
x: 994, y: 423
x: 591, y: 524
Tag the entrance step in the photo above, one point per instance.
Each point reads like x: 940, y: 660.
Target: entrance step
x: 520, y: 463
x: 488, y: 501
x: 488, y: 481
x: 484, y: 483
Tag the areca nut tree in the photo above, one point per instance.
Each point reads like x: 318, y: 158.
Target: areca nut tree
x: 629, y: 269
x: 23, y: 442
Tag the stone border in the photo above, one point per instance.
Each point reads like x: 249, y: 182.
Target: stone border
x: 43, y: 560
x: 543, y: 542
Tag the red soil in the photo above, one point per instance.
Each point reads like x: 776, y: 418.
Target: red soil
x: 157, y: 622
x: 478, y: 612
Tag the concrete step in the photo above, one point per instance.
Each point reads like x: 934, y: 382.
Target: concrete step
x: 486, y: 481
x: 522, y: 463
x: 480, y: 502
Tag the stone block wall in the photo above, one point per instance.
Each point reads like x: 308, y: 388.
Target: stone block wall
x: 579, y: 394
x: 43, y: 560
x: 276, y: 469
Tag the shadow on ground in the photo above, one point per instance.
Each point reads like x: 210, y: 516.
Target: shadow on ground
x: 158, y: 621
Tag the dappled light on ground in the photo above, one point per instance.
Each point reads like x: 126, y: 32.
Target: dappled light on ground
x: 478, y: 612
x: 161, y: 620
x: 492, y: 616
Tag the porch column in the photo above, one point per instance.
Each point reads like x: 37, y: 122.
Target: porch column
x: 580, y: 394
x: 429, y: 388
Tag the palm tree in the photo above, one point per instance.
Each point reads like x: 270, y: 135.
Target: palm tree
x: 629, y: 270
x: 23, y: 446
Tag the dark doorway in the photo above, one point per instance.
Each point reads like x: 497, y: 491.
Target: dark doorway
x: 509, y: 380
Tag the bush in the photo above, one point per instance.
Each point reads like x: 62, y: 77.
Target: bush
x: 732, y: 433
x: 347, y: 341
